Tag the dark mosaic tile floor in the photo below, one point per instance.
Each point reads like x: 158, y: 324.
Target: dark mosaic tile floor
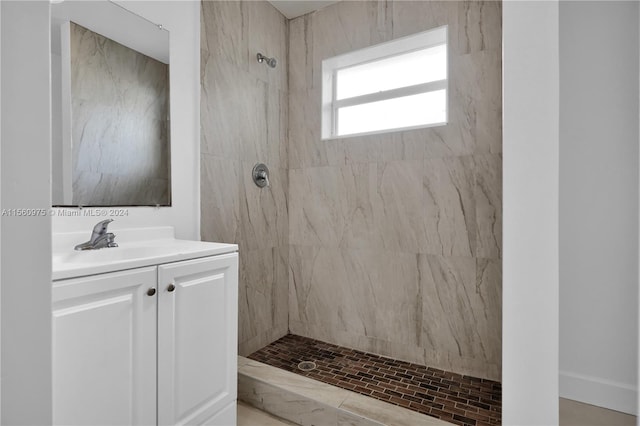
x: 462, y: 400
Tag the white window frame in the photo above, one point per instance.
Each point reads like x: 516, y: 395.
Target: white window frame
x: 400, y: 46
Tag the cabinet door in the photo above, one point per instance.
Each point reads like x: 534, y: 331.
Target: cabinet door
x: 104, y: 349
x: 197, y: 338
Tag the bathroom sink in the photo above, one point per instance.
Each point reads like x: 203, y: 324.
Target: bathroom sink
x: 136, y: 248
x: 114, y: 254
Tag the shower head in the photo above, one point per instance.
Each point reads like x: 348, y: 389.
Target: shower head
x: 269, y: 61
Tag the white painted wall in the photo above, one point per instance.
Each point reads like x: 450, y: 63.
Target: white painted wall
x: 530, y: 205
x: 26, y: 241
x: 25, y: 182
x: 182, y: 19
x: 0, y: 216
x: 599, y: 203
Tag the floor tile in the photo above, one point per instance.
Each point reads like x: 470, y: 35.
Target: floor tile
x: 458, y: 399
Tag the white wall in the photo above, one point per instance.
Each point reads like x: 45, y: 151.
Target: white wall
x: 26, y: 241
x: 599, y: 203
x: 182, y: 19
x: 0, y: 217
x: 25, y: 182
x: 530, y: 203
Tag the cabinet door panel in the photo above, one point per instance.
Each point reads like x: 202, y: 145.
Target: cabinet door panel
x: 104, y: 349
x: 197, y: 338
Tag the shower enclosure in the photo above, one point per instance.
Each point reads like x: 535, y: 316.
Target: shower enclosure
x: 388, y: 244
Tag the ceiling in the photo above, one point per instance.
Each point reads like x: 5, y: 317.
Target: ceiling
x: 294, y: 8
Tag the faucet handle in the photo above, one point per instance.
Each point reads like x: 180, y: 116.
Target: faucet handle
x: 101, y: 227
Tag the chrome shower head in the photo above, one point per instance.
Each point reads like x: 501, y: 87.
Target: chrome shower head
x: 269, y: 61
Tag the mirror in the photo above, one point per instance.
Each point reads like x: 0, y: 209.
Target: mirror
x: 110, y: 107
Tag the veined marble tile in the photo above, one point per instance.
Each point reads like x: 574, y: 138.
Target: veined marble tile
x: 411, y: 17
x: 263, y: 292
x: 242, y: 361
x: 356, y: 149
x: 287, y: 404
x: 448, y: 319
x: 301, y: 270
x: 460, y: 132
x: 303, y: 386
x: 244, y: 119
x: 259, y: 341
x: 316, y: 199
x: 348, y: 26
x: 252, y: 119
x: 349, y: 419
x: 479, y: 25
x: 302, y: 72
x: 223, y: 107
x: 489, y: 289
x: 248, y: 415
x: 489, y: 102
x: 433, y: 357
x: 476, y: 95
x: 450, y: 140
x: 305, y: 147
x: 361, y: 227
x: 326, y: 297
x: 321, y: 331
x: 386, y: 414
x: 241, y: 116
x: 225, y: 28
x: 220, y: 199
x: 386, y: 305
x: 399, y: 205
x: 460, y: 309
x: 361, y: 209
x: 278, y: 128
x: 449, y: 210
x: 340, y: 201
x: 267, y: 35
x: 410, y: 145
x: 264, y: 220
x: 332, y: 405
x: 488, y: 200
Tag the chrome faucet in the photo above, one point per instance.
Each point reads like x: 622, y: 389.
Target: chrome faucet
x: 100, y: 238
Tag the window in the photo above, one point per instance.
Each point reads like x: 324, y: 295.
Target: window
x: 400, y: 84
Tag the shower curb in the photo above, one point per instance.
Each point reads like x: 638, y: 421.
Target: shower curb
x: 308, y: 402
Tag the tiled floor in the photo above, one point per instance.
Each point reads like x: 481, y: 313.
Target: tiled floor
x: 451, y: 397
x: 574, y: 413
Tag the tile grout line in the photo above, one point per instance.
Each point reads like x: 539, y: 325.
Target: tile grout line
x: 462, y: 399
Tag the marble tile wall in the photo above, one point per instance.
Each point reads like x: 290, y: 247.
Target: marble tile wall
x: 395, y: 239
x: 244, y: 119
x: 120, y: 101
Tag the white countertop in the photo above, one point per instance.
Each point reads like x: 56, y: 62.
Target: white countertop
x: 136, y: 248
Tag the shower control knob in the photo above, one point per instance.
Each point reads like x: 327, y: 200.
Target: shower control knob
x: 260, y: 174
x: 151, y: 291
x: 171, y: 288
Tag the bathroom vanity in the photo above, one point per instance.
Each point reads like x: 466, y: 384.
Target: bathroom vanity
x: 144, y: 333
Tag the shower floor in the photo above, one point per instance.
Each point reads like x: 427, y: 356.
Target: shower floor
x: 458, y: 399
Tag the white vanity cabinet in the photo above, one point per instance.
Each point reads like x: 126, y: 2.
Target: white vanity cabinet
x: 104, y: 349
x: 197, y: 340
x: 145, y: 346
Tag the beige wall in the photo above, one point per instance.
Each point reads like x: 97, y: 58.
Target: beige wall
x: 396, y: 238
x: 244, y: 121
x: 389, y: 243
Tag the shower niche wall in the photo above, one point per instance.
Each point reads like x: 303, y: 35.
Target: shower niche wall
x: 389, y: 244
